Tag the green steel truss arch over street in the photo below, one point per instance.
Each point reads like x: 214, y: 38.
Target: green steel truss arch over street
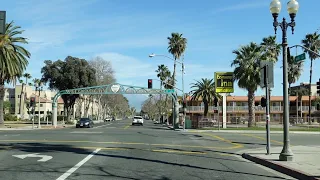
x: 114, y: 88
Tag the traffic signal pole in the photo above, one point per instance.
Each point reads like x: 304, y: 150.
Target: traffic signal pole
x: 267, y: 108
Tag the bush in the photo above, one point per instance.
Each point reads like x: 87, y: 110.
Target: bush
x: 60, y: 118
x: 10, y: 117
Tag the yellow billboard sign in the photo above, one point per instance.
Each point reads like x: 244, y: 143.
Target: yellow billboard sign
x: 223, y: 82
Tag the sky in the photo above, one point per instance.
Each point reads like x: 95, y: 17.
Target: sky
x: 125, y: 32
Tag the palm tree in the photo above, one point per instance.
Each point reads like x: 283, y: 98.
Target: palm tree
x: 311, y: 41
x: 247, y: 73
x: 204, y: 89
x: 177, y: 47
x: 294, y: 71
x: 163, y: 74
x: 13, y: 59
x: 302, y: 91
x: 23, y: 92
x: 270, y: 48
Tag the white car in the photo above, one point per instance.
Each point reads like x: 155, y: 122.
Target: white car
x: 137, y: 120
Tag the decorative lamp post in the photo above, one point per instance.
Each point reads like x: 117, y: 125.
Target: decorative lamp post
x: 275, y: 8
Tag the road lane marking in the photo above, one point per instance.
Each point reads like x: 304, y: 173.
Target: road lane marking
x: 102, y: 125
x: 74, y: 168
x: 262, y: 138
x: 126, y: 127
x: 44, y: 158
x: 176, y: 151
x: 235, y: 145
x: 124, y: 143
x: 85, y: 132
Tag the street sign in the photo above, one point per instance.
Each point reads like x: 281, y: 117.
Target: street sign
x: 270, y: 65
x: 115, y: 88
x: 223, y: 82
x: 169, y: 90
x: 2, y: 22
x: 44, y: 158
x: 300, y: 57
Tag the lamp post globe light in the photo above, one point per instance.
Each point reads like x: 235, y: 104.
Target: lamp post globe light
x: 292, y: 8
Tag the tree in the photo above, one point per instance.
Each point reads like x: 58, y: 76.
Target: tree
x: 163, y: 73
x: 104, y: 75
x: 6, y: 106
x: 13, y: 59
x: 270, y: 49
x: 204, y: 90
x: 27, y: 76
x: 68, y: 74
x: 247, y: 73
x: 294, y: 71
x: 177, y: 46
x: 311, y: 41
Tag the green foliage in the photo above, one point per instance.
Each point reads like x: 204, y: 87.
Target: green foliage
x: 294, y: 70
x: 6, y: 105
x: 13, y: 59
x: 68, y: 74
x: 205, y: 90
x: 312, y: 41
x: 177, y: 45
x: 10, y: 117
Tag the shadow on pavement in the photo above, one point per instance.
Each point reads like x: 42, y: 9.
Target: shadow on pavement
x: 183, y: 165
x: 41, y: 147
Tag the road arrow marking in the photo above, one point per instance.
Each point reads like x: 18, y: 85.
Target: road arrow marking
x: 44, y: 158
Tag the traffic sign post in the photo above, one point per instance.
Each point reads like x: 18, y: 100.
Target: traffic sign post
x: 300, y: 57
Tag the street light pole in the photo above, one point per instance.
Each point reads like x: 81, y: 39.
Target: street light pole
x: 182, y: 64
x: 275, y: 7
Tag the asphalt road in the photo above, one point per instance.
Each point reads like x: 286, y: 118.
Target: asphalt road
x: 117, y: 150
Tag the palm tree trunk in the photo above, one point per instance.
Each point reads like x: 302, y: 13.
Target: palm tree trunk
x: 251, y: 108
x: 176, y: 104
x: 310, y: 93
x: 2, y: 91
x: 161, y: 104
x: 206, y: 108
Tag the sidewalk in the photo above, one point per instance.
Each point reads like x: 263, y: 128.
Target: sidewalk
x: 59, y: 126
x: 253, y: 131
x: 305, y: 164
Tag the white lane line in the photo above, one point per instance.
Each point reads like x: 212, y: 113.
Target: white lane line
x: 74, y: 168
x: 102, y: 125
x: 85, y: 132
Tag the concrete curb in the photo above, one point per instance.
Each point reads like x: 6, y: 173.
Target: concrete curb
x: 254, y: 132
x: 280, y: 168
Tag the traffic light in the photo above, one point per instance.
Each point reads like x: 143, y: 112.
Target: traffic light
x: 215, y: 102
x: 263, y: 102
x: 149, y: 83
x: 318, y: 87
x: 32, y: 101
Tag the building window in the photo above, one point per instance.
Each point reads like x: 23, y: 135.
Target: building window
x: 41, y: 105
x: 19, y: 96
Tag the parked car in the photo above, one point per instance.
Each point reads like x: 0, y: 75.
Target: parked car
x: 84, y: 123
x: 137, y: 120
x: 107, y: 119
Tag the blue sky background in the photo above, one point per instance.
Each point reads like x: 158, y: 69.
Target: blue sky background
x: 125, y: 32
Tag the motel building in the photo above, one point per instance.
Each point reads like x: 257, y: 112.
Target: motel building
x: 237, y: 109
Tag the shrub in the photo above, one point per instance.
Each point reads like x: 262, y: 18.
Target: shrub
x: 10, y: 117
